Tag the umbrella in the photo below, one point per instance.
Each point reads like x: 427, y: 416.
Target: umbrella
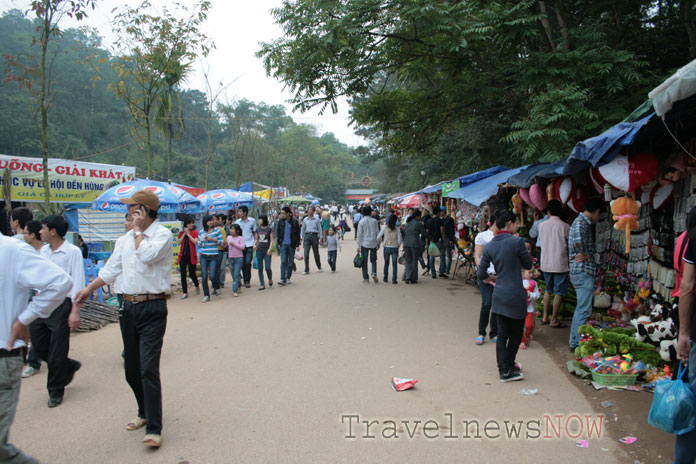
x: 224, y: 200
x: 172, y: 199
x: 411, y: 201
x: 296, y: 199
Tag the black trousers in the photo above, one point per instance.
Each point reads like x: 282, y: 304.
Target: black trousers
x: 185, y: 265
x: 50, y: 339
x: 247, y: 256
x: 509, y: 337
x: 142, y: 329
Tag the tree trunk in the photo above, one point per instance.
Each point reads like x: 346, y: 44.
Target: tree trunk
x: 547, y: 25
x: 169, y: 152
x: 43, y: 109
x: 149, y: 150
x: 685, y: 8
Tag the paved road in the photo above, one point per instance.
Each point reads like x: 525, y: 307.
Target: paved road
x: 279, y: 376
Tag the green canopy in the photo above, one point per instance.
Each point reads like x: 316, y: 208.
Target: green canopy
x: 295, y: 199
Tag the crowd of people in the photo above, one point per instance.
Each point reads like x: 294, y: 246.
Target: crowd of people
x: 44, y: 286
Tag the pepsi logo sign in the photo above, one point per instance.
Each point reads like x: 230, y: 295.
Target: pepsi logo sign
x: 156, y: 190
x: 176, y: 191
x: 211, y: 207
x: 217, y: 196
x: 124, y: 190
x: 104, y: 205
x: 183, y: 207
x: 202, y: 197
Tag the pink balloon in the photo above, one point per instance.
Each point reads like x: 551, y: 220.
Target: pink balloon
x: 524, y: 193
x: 538, y: 196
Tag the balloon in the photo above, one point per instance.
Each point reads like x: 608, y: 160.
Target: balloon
x: 538, y: 196
x: 524, y: 193
x: 563, y: 188
x: 628, y: 173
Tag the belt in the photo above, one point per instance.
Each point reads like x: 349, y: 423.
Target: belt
x: 311, y: 233
x: 145, y: 297
x: 16, y: 352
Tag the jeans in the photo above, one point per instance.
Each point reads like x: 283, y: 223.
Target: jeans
x: 420, y: 256
x: 50, y: 338
x: 33, y: 359
x: 685, y: 447
x: 142, y: 328
x: 448, y: 257
x: 222, y: 264
x: 485, y: 315
x: 10, y: 382
x: 287, y: 257
x: 311, y: 241
x: 248, y: 255
x: 236, y: 269
x: 509, y: 338
x: 209, y: 269
x: 185, y: 265
x: 411, y: 255
x: 393, y: 253
x: 332, y: 259
x: 431, y: 259
x: 372, y: 253
x: 584, y: 287
x: 261, y: 258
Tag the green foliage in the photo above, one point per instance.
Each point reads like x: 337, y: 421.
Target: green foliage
x: 469, y: 84
x: 88, y: 123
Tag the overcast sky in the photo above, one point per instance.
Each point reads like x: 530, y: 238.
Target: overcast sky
x: 237, y: 27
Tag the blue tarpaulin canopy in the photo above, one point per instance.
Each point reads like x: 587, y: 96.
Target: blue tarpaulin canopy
x: 476, y: 176
x: 525, y: 178
x: 604, y: 147
x: 480, y: 191
x: 431, y: 188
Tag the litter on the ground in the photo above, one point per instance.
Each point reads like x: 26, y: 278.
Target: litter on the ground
x: 628, y: 440
x: 399, y: 384
x: 583, y: 444
x: 530, y: 392
x: 606, y: 404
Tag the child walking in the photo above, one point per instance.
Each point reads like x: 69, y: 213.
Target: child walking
x: 532, y: 296
x: 236, y: 254
x: 333, y: 244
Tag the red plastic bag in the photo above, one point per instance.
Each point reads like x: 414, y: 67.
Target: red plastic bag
x: 403, y: 384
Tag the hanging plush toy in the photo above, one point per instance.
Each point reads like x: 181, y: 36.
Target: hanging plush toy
x: 625, y: 211
x: 518, y: 205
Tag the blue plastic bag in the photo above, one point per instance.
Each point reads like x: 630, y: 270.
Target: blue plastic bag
x: 674, y: 406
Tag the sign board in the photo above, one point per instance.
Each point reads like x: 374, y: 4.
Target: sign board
x: 449, y: 187
x: 70, y: 181
x: 175, y: 227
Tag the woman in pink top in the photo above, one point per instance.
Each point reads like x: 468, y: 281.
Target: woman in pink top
x: 236, y: 253
x: 679, y: 248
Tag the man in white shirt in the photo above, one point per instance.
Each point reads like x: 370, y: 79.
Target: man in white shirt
x: 486, y: 288
x: 368, y: 229
x: 19, y: 218
x: 24, y: 271
x: 143, y: 257
x: 249, y: 227
x: 50, y: 337
x: 309, y: 235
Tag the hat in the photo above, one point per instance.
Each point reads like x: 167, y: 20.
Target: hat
x: 442, y: 208
x: 143, y: 197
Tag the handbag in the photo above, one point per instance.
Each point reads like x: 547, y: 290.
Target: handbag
x: 299, y: 256
x: 433, y: 250
x: 674, y: 407
x: 254, y: 264
x: 357, y: 261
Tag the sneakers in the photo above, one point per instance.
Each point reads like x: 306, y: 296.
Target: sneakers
x: 29, y: 371
x: 184, y: 296
x: 205, y: 299
x: 198, y: 291
x: 262, y: 288
x: 511, y: 376
x: 288, y: 282
x: 282, y: 283
x: 494, y: 339
x: 374, y: 277
x: 517, y: 368
x: 216, y: 292
x: 479, y: 340
x: 237, y: 294
x: 270, y: 283
x: 305, y: 272
x: 320, y: 270
x: 426, y: 272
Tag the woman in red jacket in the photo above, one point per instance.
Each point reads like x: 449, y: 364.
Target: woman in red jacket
x: 188, y: 239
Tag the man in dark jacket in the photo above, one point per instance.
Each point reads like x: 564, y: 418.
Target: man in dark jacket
x: 288, y: 239
x: 449, y: 238
x: 509, y: 255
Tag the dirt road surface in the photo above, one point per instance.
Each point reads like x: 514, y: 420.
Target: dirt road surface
x: 292, y: 374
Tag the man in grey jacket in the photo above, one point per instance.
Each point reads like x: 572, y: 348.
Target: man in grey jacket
x: 368, y: 229
x: 509, y: 255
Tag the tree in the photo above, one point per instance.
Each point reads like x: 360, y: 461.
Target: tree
x: 212, y: 123
x: 153, y: 48
x: 171, y: 124
x: 30, y: 70
x: 512, y: 81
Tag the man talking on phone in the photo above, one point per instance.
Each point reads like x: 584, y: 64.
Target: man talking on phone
x: 143, y: 257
